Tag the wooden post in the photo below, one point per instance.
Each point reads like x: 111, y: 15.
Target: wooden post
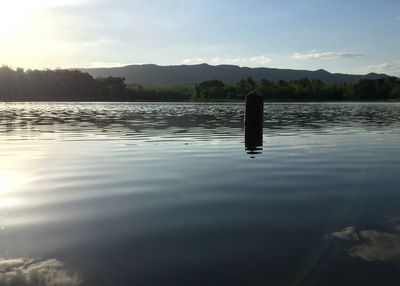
x: 254, y: 113
x: 254, y: 119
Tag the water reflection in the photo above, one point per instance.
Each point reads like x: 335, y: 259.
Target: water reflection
x: 134, y: 120
x: 372, y: 244
x: 162, y: 194
x: 253, y: 138
x: 30, y: 272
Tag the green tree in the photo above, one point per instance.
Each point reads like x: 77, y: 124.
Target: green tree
x: 211, y: 89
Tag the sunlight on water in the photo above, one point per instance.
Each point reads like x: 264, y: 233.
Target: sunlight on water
x: 154, y: 194
x: 11, y: 182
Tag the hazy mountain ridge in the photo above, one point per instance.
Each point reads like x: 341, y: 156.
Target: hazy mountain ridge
x: 151, y: 74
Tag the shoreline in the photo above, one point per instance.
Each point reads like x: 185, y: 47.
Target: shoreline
x: 195, y: 102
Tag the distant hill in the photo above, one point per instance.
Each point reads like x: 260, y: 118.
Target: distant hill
x: 153, y: 75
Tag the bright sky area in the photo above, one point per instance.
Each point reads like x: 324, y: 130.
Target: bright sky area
x: 349, y: 36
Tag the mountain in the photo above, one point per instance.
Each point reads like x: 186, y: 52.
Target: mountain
x: 153, y: 75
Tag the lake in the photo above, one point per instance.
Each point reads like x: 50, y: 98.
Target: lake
x: 174, y: 194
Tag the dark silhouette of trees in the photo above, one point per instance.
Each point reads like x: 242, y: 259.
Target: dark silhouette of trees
x: 114, y: 86
x: 380, y: 89
x: 57, y: 85
x: 74, y: 85
x: 212, y: 89
x: 163, y: 93
x: 246, y: 85
x: 302, y: 90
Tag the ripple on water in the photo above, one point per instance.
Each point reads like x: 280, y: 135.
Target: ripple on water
x: 143, y: 194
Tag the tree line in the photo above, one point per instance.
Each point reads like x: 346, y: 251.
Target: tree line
x: 301, y: 90
x: 57, y: 85
x: 74, y: 85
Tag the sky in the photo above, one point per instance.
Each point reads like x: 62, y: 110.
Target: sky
x: 348, y: 36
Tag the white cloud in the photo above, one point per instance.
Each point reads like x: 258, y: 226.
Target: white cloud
x: 260, y: 60
x: 193, y: 61
x: 324, y: 55
x: 254, y: 61
x: 391, y: 69
x: 106, y: 64
x: 30, y: 272
x: 234, y: 61
x: 215, y: 61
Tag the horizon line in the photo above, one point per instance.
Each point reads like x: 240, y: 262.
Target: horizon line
x: 191, y: 65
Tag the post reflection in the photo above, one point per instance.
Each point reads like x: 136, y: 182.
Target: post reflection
x: 253, y: 139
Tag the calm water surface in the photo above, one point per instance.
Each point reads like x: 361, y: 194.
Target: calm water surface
x: 168, y: 194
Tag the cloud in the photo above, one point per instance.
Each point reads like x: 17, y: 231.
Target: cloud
x: 216, y: 61
x: 392, y: 69
x: 30, y: 272
x: 261, y: 60
x: 324, y: 55
x: 107, y: 64
x: 234, y: 61
x: 194, y: 61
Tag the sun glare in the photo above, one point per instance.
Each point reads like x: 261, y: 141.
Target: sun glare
x: 28, y: 35
x: 10, y: 181
x: 21, y: 19
x: 18, y: 20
